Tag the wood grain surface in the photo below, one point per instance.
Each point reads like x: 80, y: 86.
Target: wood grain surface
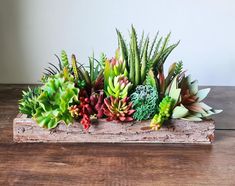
x: 117, y: 164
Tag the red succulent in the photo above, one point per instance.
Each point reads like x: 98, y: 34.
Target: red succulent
x: 118, y: 109
x: 97, y: 103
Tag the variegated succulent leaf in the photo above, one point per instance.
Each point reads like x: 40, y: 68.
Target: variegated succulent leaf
x: 118, y: 109
x: 118, y: 86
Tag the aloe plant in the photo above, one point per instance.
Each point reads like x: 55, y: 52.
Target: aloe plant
x: 142, y: 56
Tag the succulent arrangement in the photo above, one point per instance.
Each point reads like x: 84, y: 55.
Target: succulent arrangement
x: 131, y: 85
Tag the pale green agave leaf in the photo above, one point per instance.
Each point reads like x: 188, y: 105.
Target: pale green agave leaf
x: 192, y: 118
x: 174, y: 92
x: 179, y: 112
x: 193, y: 87
x: 202, y: 94
x: 205, y: 106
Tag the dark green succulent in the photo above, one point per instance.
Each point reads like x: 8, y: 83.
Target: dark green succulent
x: 56, y: 96
x: 28, y: 104
x: 144, y: 101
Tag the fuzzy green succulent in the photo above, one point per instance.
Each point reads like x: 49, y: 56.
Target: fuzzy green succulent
x: 144, y: 101
x: 29, y: 103
x: 164, y: 113
x: 54, y: 101
x: 118, y: 86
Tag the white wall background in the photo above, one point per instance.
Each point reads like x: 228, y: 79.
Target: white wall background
x: 31, y: 31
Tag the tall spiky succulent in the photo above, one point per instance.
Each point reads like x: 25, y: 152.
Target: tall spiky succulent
x: 118, y: 109
x: 54, y: 69
x: 118, y: 86
x: 188, y: 100
x: 142, y: 56
x: 93, y: 77
x: 29, y: 103
x: 144, y: 101
x: 54, y: 101
x: 164, y: 113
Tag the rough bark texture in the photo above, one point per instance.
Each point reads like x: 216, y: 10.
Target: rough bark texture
x: 176, y: 131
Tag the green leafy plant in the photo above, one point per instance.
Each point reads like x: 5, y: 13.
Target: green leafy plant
x: 144, y: 101
x: 56, y: 96
x: 164, y: 113
x: 142, y: 56
x: 118, y: 109
x: 29, y: 103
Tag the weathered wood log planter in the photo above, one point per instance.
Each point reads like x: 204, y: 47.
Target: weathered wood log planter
x: 176, y: 131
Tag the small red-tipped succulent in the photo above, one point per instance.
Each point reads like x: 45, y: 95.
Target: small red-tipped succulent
x: 74, y: 111
x: 118, y: 109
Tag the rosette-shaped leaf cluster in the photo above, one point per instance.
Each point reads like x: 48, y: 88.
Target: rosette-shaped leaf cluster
x: 164, y: 113
x: 54, y: 101
x: 113, y: 68
x: 118, y: 67
x: 144, y: 101
x: 189, y: 105
x: 118, y: 109
x: 28, y: 104
x: 118, y: 86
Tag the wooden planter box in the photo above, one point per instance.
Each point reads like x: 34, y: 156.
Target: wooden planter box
x: 176, y: 131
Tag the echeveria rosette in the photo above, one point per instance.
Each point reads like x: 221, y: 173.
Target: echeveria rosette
x: 118, y: 109
x: 188, y: 100
x: 29, y: 103
x: 144, y: 101
x: 118, y: 86
x: 54, y: 101
x: 164, y: 113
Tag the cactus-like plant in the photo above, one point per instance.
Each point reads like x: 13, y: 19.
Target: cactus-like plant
x: 29, y: 103
x: 118, y: 109
x: 54, y: 101
x: 142, y: 56
x: 118, y: 86
x: 144, y: 101
x: 164, y: 113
